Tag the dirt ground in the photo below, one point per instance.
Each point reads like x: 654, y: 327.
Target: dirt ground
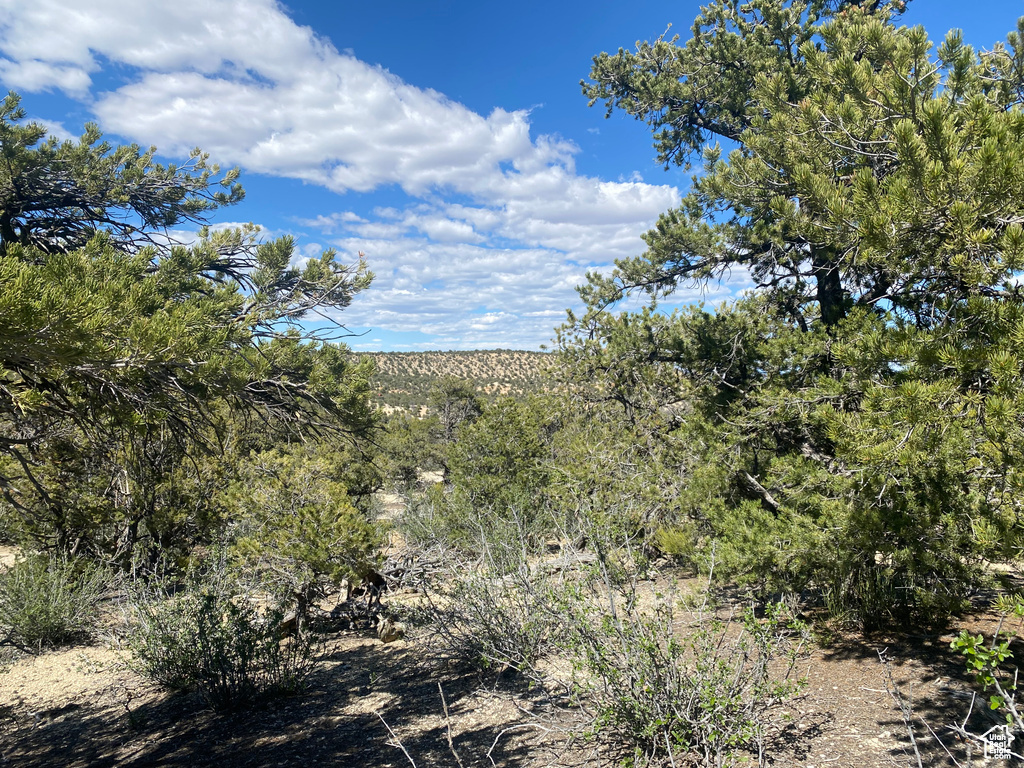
x: 374, y: 704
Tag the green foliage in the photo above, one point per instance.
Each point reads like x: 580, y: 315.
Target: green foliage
x: 705, y: 695
x: 129, y: 365
x: 691, y: 92
x: 497, y: 476
x: 49, y: 601
x: 409, y: 447
x: 231, y: 653
x: 55, y: 196
x: 679, y: 542
x: 986, y: 660
x: 293, y: 521
x: 611, y: 481
x: 453, y: 402
x: 853, y: 423
x: 499, y: 456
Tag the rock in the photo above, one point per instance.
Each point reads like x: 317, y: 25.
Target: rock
x: 289, y: 624
x: 389, y: 630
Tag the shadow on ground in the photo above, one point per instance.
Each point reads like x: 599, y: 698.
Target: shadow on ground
x: 931, y: 692
x: 334, y: 722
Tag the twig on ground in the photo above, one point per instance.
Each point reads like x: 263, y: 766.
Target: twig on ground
x: 904, y: 705
x: 515, y: 727
x: 448, y: 724
x: 395, y: 741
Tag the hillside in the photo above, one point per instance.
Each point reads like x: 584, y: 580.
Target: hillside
x: 404, y: 379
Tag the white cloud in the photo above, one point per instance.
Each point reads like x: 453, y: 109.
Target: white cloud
x: 443, y: 229
x: 242, y: 80
x: 489, y: 296
x: 332, y: 223
x: 38, y: 76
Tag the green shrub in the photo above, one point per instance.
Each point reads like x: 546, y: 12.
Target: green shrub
x: 991, y: 662
x: 497, y: 533
x: 678, y: 541
x: 499, y: 460
x: 294, y: 522
x: 227, y: 650
x: 874, y: 592
x: 658, y: 694
x: 47, y: 601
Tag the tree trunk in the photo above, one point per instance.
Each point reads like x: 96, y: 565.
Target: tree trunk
x: 831, y: 297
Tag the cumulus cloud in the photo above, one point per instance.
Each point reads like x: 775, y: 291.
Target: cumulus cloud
x: 242, y: 80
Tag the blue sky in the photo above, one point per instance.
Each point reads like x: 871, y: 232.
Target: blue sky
x: 448, y: 141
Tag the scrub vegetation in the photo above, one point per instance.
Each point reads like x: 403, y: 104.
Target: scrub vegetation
x: 657, y: 542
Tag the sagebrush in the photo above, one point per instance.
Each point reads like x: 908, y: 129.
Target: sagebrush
x: 50, y: 601
x: 225, y: 648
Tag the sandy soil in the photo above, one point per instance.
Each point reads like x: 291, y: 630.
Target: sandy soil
x: 375, y: 704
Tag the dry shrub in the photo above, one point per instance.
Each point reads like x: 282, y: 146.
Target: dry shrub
x: 50, y: 601
x: 224, y: 648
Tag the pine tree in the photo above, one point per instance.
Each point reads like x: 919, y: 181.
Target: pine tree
x: 124, y: 354
x: 859, y: 411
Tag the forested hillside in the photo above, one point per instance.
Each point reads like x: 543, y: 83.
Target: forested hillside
x: 403, y: 380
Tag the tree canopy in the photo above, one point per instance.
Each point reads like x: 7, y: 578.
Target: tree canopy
x: 852, y: 422
x: 113, y: 334
x: 867, y: 172
x: 54, y: 196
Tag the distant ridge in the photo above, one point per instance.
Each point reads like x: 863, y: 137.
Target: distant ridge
x: 404, y: 379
